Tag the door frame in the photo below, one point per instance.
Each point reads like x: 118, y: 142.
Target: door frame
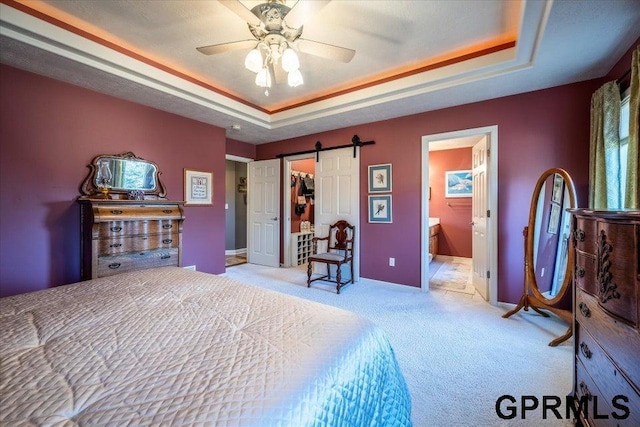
x: 286, y: 212
x: 491, y: 132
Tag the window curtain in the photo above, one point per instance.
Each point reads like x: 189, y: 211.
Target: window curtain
x: 604, y: 149
x: 632, y: 196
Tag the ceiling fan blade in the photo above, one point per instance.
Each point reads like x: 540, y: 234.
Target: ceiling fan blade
x: 325, y: 50
x: 302, y: 11
x: 240, y: 10
x: 227, y: 47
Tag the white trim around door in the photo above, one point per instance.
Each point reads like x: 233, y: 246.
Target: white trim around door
x: 491, y: 132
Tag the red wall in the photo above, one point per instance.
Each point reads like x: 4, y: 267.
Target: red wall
x: 454, y: 213
x: 49, y: 132
x: 536, y: 131
x: 241, y: 149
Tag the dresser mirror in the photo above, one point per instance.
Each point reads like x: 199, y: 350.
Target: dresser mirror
x: 122, y: 176
x: 548, y: 255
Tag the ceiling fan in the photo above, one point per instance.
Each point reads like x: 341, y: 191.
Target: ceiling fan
x: 277, y: 31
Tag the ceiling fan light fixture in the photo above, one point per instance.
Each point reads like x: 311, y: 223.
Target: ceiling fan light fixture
x: 253, y: 61
x: 295, y: 78
x: 290, y: 60
x: 263, y: 78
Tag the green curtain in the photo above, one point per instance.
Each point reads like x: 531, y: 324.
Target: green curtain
x: 632, y: 192
x: 604, y: 150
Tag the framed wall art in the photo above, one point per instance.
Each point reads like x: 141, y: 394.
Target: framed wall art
x: 198, y: 188
x: 380, y: 209
x: 458, y: 183
x: 380, y: 178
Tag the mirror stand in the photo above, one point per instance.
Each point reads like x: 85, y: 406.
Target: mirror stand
x: 529, y: 300
x: 548, y: 254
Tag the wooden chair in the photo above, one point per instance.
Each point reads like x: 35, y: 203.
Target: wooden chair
x: 339, y: 252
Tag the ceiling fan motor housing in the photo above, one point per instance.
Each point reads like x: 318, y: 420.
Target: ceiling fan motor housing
x: 271, y: 16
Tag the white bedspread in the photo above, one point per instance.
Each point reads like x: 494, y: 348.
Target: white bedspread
x: 170, y: 346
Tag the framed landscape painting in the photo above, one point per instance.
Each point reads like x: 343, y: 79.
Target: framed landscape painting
x: 458, y: 183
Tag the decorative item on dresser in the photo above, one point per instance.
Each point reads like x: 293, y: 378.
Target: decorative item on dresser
x: 606, y: 387
x: 126, y: 222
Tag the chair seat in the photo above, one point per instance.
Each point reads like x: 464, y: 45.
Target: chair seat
x: 328, y: 256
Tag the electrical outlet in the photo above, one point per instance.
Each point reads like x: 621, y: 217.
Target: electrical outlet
x: 392, y: 262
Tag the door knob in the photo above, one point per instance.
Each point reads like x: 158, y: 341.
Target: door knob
x: 275, y: 218
x: 472, y: 223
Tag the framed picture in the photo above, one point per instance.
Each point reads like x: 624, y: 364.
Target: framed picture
x: 380, y: 208
x: 380, y: 178
x: 554, y: 219
x: 458, y: 183
x: 198, y: 188
x: 558, y: 188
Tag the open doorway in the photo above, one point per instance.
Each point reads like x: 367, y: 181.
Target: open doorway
x: 299, y: 212
x: 235, y: 211
x: 477, y: 235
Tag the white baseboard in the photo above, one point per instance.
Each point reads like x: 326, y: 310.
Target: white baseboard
x: 241, y: 251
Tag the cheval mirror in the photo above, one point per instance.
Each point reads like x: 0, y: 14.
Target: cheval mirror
x: 548, y: 255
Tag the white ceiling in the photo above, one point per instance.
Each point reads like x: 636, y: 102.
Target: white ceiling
x: 144, y: 51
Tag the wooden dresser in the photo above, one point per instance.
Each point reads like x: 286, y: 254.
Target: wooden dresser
x: 125, y: 235
x: 606, y: 317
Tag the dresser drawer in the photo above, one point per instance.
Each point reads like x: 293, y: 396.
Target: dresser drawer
x: 619, y: 340
x: 110, y: 265
x: 606, y: 376
x: 115, y: 229
x: 597, y: 404
x: 618, y: 286
x: 585, y: 235
x: 585, y: 273
x: 123, y: 245
x: 134, y: 212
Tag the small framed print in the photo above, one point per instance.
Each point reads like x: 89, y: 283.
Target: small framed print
x: 380, y: 209
x: 198, y: 188
x: 558, y: 188
x: 554, y: 219
x: 380, y: 178
x: 458, y: 183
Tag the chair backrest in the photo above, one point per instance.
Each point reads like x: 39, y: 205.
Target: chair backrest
x: 341, y: 235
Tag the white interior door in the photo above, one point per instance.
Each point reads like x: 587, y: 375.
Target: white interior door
x: 337, y: 195
x: 263, y: 206
x: 480, y: 254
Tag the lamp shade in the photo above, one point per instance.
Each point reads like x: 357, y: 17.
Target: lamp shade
x: 295, y: 78
x: 290, y: 60
x: 253, y: 61
x: 263, y: 78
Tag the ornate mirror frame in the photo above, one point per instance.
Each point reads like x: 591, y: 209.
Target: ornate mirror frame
x: 532, y: 296
x: 529, y: 251
x: 99, y: 182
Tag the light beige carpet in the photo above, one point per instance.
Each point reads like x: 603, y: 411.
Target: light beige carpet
x: 452, y: 274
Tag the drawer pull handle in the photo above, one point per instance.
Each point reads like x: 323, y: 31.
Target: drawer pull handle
x: 580, y: 235
x: 584, y: 349
x: 114, y: 265
x: 167, y: 226
x: 167, y: 211
x: 584, y: 309
x: 116, y: 229
x: 585, y: 390
x: 580, y: 272
x: 115, y: 245
x: 116, y: 212
x: 167, y: 241
x: 165, y: 257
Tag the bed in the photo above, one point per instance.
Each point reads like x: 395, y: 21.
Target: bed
x: 169, y: 346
